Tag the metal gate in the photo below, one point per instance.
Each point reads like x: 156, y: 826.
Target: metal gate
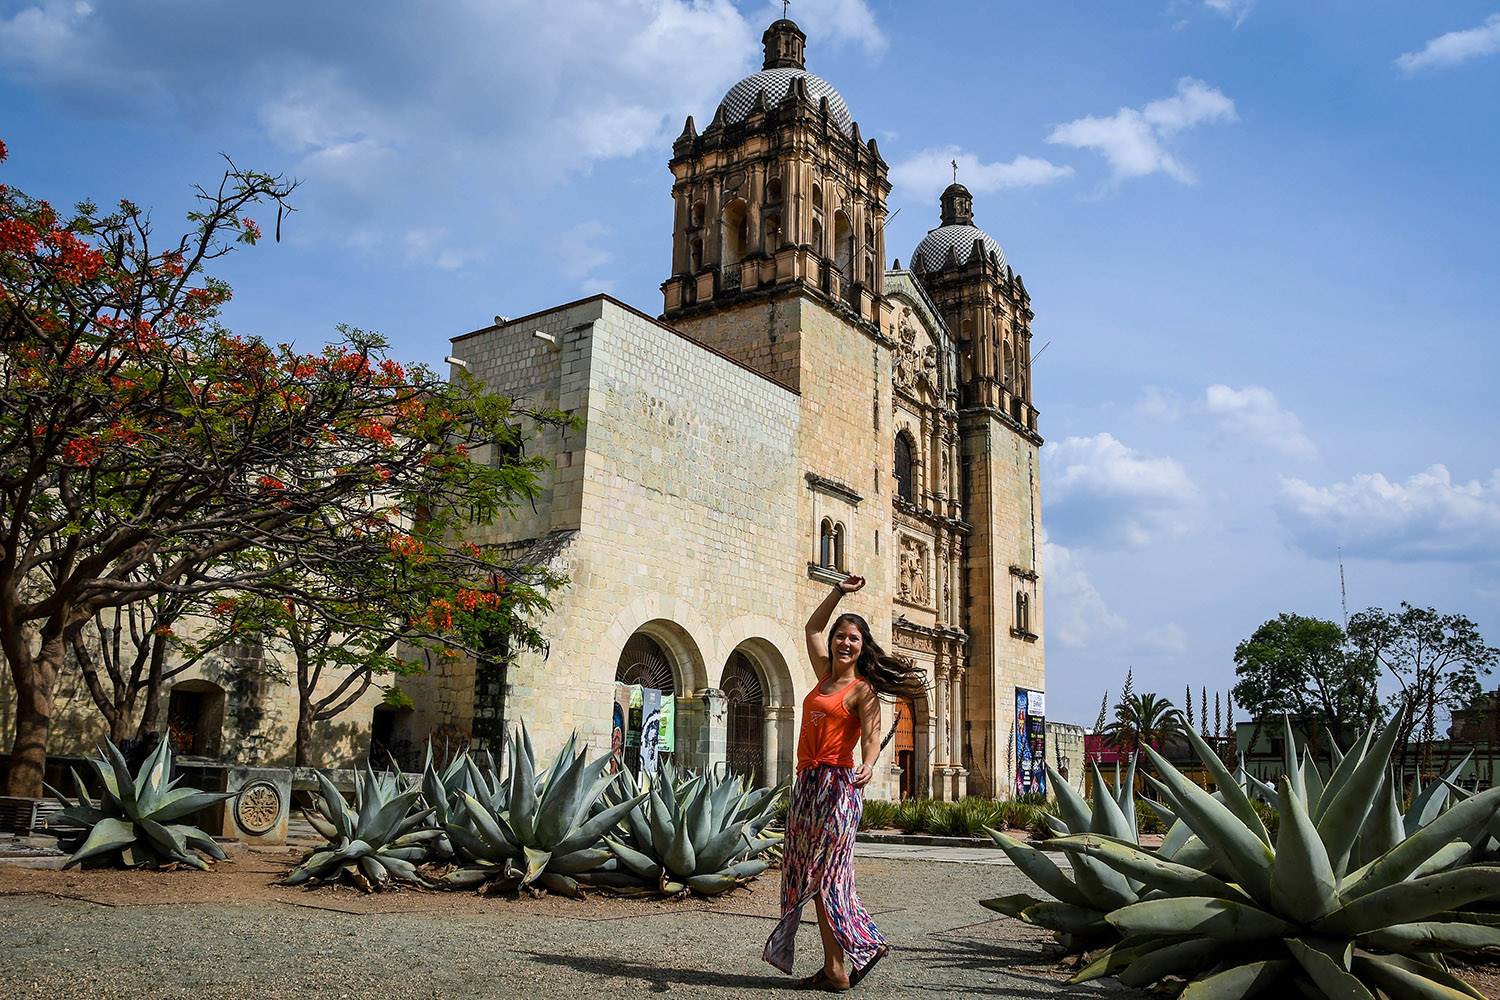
x: 644, y: 662
x: 745, y: 752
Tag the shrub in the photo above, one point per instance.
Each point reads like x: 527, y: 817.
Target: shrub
x: 878, y: 814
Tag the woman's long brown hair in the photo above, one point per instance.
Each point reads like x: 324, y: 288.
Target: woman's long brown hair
x: 884, y: 672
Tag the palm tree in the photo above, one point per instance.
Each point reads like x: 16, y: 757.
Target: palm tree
x: 1142, y: 719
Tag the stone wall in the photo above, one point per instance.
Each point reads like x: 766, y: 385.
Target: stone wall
x: 1003, y: 502
x: 678, y: 490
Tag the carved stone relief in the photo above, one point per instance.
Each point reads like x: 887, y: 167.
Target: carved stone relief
x: 912, y: 367
x: 912, y: 571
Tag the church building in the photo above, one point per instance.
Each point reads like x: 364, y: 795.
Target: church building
x: 797, y: 411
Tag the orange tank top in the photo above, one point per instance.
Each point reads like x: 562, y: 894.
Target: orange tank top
x: 829, y: 730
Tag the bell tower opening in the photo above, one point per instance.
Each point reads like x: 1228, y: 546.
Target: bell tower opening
x: 778, y: 197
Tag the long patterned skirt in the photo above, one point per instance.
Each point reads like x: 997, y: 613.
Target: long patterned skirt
x: 818, y: 858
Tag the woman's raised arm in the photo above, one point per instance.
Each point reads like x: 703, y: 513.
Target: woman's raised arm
x: 817, y: 625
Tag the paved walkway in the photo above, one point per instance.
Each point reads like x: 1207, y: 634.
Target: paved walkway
x: 951, y: 855
x: 69, y: 938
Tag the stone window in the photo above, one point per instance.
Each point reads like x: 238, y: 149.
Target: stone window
x: 695, y: 255
x: 838, y: 548
x: 905, y: 485
x: 843, y: 246
x: 817, y: 197
x: 825, y: 543
x: 698, y: 212
x: 773, y: 191
x: 1023, y: 612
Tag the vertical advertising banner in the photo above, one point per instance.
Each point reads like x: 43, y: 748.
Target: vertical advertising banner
x: 1031, y: 742
x: 667, y: 743
x: 619, y: 723
x: 650, y: 730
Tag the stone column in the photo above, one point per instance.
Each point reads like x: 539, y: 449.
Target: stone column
x: 956, y: 700
x: 941, y: 753
x: 713, y: 733
x: 771, y: 729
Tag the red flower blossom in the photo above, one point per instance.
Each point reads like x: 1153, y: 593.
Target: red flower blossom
x: 270, y: 483
x: 17, y: 237
x: 82, y: 451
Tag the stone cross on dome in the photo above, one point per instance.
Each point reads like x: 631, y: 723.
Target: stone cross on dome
x: 955, y: 170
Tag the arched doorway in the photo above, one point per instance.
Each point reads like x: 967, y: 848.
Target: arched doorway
x: 906, y: 749
x: 643, y: 661
x: 195, y: 718
x: 745, y: 704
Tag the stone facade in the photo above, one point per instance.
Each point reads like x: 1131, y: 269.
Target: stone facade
x: 798, y: 413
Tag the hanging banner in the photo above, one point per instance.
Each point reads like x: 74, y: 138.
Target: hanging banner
x: 633, y: 719
x: 1031, y: 742
x: 667, y: 741
x: 619, y: 723
x: 650, y: 730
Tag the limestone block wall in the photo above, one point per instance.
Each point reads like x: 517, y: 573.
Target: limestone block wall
x: 1003, y: 502
x: 846, y: 436
x: 678, y: 491
x: 250, y: 710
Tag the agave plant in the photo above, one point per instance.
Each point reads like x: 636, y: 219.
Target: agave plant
x: 443, y: 790
x: 1300, y: 913
x: 533, y: 830
x: 698, y: 835
x: 375, y: 843
x: 131, y: 822
x: 1076, y: 913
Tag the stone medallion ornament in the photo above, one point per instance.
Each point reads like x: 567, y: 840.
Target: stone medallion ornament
x: 258, y: 808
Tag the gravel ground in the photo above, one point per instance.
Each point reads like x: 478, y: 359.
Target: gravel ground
x: 230, y: 934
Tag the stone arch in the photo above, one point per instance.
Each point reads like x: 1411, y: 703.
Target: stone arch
x: 683, y: 658
x: 843, y: 246
x: 912, y: 750
x: 736, y: 231
x: 905, y: 461
x: 778, y: 701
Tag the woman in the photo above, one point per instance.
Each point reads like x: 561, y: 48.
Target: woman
x: 818, y: 861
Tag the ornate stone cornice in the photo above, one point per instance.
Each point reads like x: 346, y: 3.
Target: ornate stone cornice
x: 832, y: 487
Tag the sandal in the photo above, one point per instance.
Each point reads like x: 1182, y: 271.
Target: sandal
x: 863, y: 971
x: 820, y: 981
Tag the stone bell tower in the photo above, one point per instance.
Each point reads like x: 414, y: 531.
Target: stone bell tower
x: 987, y: 309
x: 779, y: 195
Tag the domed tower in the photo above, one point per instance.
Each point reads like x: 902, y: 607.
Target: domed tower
x: 985, y: 305
x: 778, y: 196
x: 986, y: 308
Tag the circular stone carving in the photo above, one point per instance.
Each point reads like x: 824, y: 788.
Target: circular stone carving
x: 258, y: 808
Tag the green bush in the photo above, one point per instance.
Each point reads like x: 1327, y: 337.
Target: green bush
x: 912, y: 815
x: 878, y: 815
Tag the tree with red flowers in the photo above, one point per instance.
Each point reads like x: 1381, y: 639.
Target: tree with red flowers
x: 146, y: 450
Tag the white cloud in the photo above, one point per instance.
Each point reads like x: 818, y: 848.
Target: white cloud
x: 431, y: 246
x: 1254, y: 414
x: 841, y: 22
x: 929, y: 171
x: 580, y: 252
x: 1163, y: 404
x: 1168, y: 639
x: 1427, y: 517
x: 1133, y: 139
x: 1235, y: 10
x: 1076, y: 614
x: 1454, y: 47
x: 521, y: 97
x: 1102, y: 491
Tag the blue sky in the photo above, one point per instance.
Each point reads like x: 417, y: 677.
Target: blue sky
x: 1260, y: 237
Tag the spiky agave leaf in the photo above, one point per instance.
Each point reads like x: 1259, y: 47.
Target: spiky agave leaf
x: 374, y: 844
x: 696, y: 833
x: 1372, y: 932
x: 131, y: 823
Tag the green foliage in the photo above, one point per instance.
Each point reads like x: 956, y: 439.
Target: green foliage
x: 378, y: 841
x: 878, y: 814
x: 694, y: 833
x: 1340, y: 900
x: 131, y: 822
x: 533, y: 828
x: 1140, y: 719
x: 1305, y: 668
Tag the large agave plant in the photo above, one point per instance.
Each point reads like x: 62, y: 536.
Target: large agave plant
x: 131, y: 822
x: 1076, y: 913
x: 533, y: 829
x: 1300, y: 913
x: 375, y: 843
x: 700, y: 834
